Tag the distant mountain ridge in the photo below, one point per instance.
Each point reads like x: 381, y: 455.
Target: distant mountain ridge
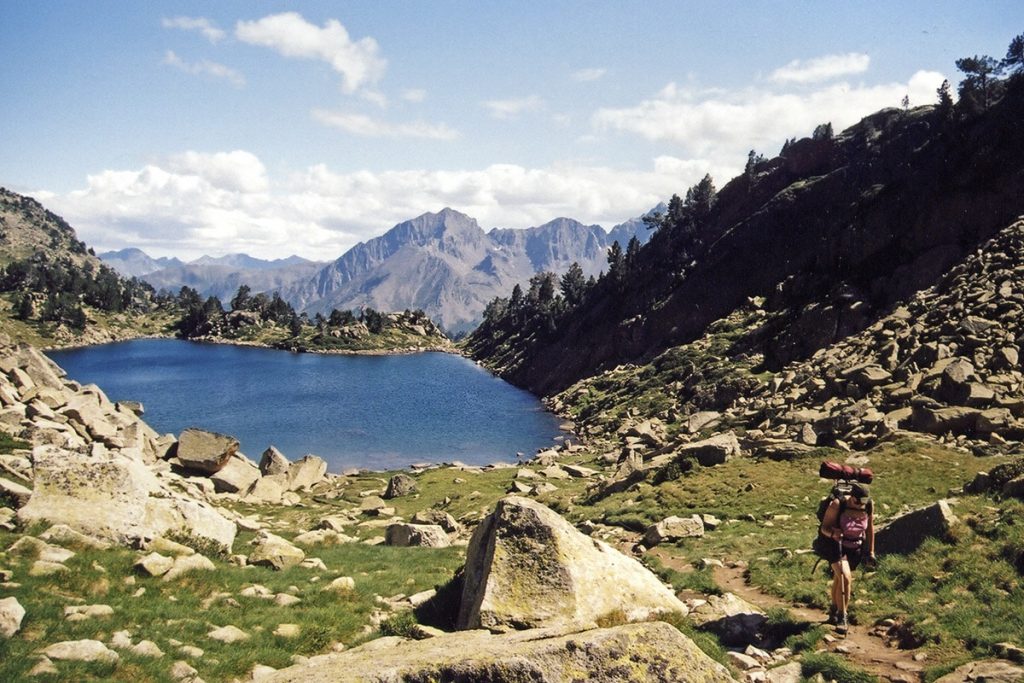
x: 447, y: 265
x: 211, y: 276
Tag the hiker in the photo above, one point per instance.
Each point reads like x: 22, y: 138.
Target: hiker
x: 850, y: 522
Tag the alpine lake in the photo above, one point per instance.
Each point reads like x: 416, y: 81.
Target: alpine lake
x: 355, y: 411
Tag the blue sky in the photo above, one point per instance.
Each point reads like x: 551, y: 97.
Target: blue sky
x: 275, y: 128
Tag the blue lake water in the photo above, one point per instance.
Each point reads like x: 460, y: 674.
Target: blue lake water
x: 378, y: 412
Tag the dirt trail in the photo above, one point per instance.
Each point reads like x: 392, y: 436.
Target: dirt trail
x: 859, y: 646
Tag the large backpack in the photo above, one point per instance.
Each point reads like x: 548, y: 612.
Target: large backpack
x: 844, y: 475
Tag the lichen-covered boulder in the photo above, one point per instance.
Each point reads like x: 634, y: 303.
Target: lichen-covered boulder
x: 274, y: 552
x: 116, y: 498
x: 423, y: 535
x: 652, y: 652
x: 400, y: 485
x: 527, y: 567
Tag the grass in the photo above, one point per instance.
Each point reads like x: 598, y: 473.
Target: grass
x: 187, y: 609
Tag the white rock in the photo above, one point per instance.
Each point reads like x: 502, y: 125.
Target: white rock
x: 11, y: 614
x: 228, y: 634
x: 81, y: 651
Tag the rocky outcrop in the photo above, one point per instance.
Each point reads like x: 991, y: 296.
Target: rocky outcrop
x: 642, y: 653
x: 526, y: 567
x: 112, y: 496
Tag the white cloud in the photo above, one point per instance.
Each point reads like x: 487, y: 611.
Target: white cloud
x: 722, y: 126
x: 200, y: 24
x: 587, y: 75
x: 196, y: 203
x: 291, y: 35
x: 511, y: 108
x: 205, y: 68
x: 375, y: 97
x: 414, y: 95
x: 359, y: 124
x: 821, y: 68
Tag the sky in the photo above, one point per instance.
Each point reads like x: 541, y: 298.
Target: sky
x: 270, y: 128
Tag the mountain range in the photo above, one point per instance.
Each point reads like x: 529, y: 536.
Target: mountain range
x: 443, y: 263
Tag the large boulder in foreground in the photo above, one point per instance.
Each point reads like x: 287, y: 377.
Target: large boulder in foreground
x: 205, y: 451
x: 116, y: 498
x: 526, y: 567
x: 651, y: 652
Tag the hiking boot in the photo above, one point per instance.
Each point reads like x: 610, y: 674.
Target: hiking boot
x: 833, y: 616
x: 842, y: 625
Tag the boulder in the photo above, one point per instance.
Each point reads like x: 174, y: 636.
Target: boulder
x: 735, y: 621
x: 117, y: 499
x: 990, y: 671
x: 426, y: 535
x: 237, y: 476
x: 527, y: 567
x: 273, y: 462
x: 957, y: 419
x: 642, y: 653
x: 205, y: 451
x: 14, y: 492
x: 189, y: 564
x: 154, y: 564
x: 713, y: 451
x: 81, y: 651
x: 904, y: 534
x: 274, y: 552
x: 673, y: 529
x: 11, y: 614
x: 228, y: 634
x: 400, y: 485
x: 305, y: 472
x: 702, y: 419
x: 438, y: 517
x: 268, y: 489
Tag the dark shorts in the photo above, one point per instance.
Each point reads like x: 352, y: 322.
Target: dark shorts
x: 853, y: 556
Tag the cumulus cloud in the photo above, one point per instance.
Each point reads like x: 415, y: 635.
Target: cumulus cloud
x: 200, y: 24
x: 359, y: 124
x: 821, y: 68
x: 587, y: 75
x: 291, y: 35
x: 205, y: 68
x: 722, y: 125
x: 196, y: 203
x: 511, y: 108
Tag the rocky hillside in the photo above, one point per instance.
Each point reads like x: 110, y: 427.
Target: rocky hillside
x: 832, y: 232
x: 54, y: 291
x: 446, y: 264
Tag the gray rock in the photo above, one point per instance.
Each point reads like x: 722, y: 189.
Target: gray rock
x: 11, y: 615
x: 205, y: 451
x: 733, y: 620
x: 673, y: 529
x: 15, y: 492
x: 228, y: 634
x: 154, y: 564
x: 81, y: 651
x: 526, y: 567
x: 990, y: 671
x: 273, y: 462
x: 641, y: 653
x: 274, y: 552
x: 306, y: 472
x: 904, y: 534
x: 787, y: 673
x: 713, y: 451
x: 425, y: 535
x: 400, y: 485
x: 269, y: 489
x: 438, y: 517
x: 238, y: 475
x: 188, y: 564
x: 117, y: 499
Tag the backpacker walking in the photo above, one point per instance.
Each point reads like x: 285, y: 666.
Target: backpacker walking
x: 849, y: 521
